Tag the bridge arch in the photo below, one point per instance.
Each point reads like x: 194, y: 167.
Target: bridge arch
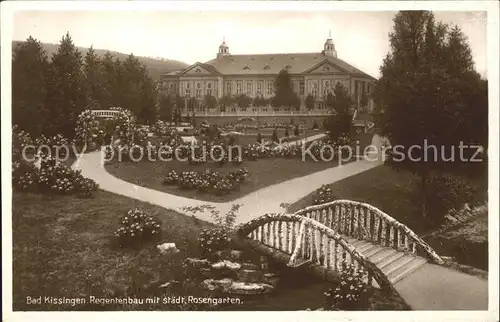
x: 366, y: 222
x: 297, y: 240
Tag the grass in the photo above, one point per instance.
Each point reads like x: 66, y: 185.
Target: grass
x: 62, y: 246
x: 263, y: 173
x: 467, y: 244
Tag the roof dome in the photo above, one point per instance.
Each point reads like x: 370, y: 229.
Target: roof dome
x: 329, y: 41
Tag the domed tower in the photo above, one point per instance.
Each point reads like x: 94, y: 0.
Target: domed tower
x: 223, y: 49
x: 329, y: 48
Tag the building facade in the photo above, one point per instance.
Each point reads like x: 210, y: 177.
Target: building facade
x: 229, y: 75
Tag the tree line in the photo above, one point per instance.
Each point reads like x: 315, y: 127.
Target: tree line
x: 49, y: 94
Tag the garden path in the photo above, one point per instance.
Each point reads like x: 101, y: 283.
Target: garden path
x: 265, y: 200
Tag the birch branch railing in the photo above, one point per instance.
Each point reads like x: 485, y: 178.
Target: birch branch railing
x: 365, y: 222
x: 293, y: 237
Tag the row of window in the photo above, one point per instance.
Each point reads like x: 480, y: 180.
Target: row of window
x: 268, y: 86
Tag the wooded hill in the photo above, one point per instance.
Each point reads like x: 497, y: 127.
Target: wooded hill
x: 155, y: 66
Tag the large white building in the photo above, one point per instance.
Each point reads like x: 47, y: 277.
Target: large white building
x: 254, y: 75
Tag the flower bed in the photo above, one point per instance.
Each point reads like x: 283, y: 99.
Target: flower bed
x: 51, y: 177
x: 207, y: 181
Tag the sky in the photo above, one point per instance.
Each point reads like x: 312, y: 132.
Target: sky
x: 360, y: 38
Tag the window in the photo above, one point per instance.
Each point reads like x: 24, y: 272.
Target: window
x: 209, y: 89
x: 301, y: 87
x: 270, y: 88
x: 188, y: 89
x: 239, y: 87
x: 260, y: 85
x: 229, y: 89
x: 249, y: 88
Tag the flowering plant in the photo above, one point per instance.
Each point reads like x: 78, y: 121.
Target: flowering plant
x: 171, y: 177
x: 323, y: 195
x: 51, y: 177
x: 351, y: 293
x: 137, y: 227
x: 88, y: 129
x: 239, y: 176
x: 212, y: 240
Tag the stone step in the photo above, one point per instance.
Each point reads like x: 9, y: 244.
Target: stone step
x: 407, y: 269
x: 396, y: 264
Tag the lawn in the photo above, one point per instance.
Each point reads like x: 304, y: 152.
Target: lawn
x: 263, y: 173
x: 63, y: 247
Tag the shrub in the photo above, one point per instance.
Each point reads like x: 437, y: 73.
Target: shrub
x: 315, y: 126
x: 239, y: 175
x: 323, y: 195
x: 445, y: 192
x: 223, y: 187
x: 171, y: 177
x: 137, y: 227
x: 286, y: 132
x: 52, y: 177
x: 351, y: 293
x: 212, y: 240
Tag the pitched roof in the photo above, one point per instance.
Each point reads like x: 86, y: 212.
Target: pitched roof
x: 273, y: 63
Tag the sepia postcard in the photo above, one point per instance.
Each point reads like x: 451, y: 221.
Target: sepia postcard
x: 271, y: 160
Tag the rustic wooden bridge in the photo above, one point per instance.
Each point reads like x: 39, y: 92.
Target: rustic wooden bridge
x: 326, y: 237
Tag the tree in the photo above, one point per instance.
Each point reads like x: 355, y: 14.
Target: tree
x: 30, y: 69
x: 210, y: 102
x: 363, y: 102
x: 427, y: 89
x: 259, y: 138
x: 225, y: 102
x: 275, y: 136
x: 243, y: 101
x: 284, y: 96
x: 93, y: 79
x: 287, y: 134
x: 309, y: 102
x: 66, y: 99
x: 296, y: 131
x: 166, y: 108
x: 340, y: 102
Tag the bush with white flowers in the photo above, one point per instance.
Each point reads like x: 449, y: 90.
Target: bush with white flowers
x: 351, y: 293
x: 323, y: 195
x: 136, y: 228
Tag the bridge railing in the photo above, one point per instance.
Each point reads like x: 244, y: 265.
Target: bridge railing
x: 299, y: 239
x: 365, y: 222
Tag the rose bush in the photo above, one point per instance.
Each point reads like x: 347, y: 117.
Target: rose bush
x: 136, y: 228
x: 351, y: 293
